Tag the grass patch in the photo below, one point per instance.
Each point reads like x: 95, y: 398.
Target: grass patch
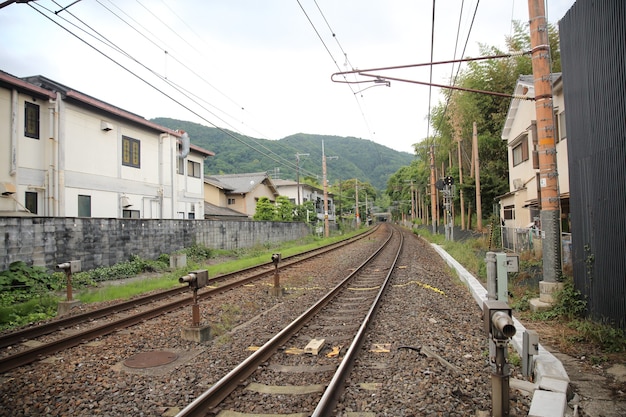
x: 469, y: 253
x: 128, y: 290
x: 567, y: 328
x: 31, y: 311
x: 259, y: 254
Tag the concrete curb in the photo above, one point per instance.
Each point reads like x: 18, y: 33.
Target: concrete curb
x: 550, y: 394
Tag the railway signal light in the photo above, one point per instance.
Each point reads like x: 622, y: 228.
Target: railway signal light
x: 195, y: 279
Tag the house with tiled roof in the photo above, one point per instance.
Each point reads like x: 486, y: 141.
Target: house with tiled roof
x: 239, y: 192
x: 67, y: 154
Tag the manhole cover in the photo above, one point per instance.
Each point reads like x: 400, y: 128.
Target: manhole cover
x: 150, y: 359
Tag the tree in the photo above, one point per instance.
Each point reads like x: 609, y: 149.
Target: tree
x: 284, y: 209
x: 265, y: 210
x: 301, y: 212
x: 399, y: 185
x: 453, y: 118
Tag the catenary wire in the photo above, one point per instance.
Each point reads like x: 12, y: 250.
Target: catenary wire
x: 335, y: 62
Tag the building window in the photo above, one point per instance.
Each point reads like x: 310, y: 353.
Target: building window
x: 30, y: 200
x: 520, y: 151
x: 84, y: 206
x: 31, y: 120
x: 191, y: 216
x: 231, y: 201
x: 509, y: 212
x: 193, y: 169
x: 181, y: 166
x: 130, y: 214
x: 562, y: 130
x: 131, y: 156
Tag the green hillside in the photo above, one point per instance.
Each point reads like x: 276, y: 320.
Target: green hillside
x: 357, y: 158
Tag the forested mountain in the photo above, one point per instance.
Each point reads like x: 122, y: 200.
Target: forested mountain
x: 357, y: 158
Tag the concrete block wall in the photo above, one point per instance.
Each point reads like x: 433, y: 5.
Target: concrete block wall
x: 100, y: 242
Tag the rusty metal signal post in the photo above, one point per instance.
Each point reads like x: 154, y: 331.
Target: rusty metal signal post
x: 196, y: 280
x: 276, y: 290
x: 69, y: 268
x: 499, y: 326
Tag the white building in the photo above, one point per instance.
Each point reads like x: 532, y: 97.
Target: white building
x: 67, y: 154
x: 519, y: 208
x: 300, y: 193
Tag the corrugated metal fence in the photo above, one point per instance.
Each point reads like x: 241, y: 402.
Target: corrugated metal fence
x: 593, y: 59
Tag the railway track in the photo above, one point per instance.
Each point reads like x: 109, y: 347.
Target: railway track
x: 322, y: 342
x: 423, y: 353
x: 121, y: 315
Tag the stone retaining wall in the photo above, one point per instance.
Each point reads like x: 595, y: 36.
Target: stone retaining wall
x: 96, y: 242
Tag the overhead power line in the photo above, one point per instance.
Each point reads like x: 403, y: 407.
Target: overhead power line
x: 275, y: 158
x: 334, y: 60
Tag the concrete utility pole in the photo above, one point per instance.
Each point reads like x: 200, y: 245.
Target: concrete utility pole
x: 479, y: 210
x: 433, y: 190
x: 548, y: 175
x: 325, y: 183
x: 298, y: 155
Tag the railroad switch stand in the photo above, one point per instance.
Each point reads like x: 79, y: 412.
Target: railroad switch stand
x: 499, y: 325
x: 69, y: 268
x: 196, y: 280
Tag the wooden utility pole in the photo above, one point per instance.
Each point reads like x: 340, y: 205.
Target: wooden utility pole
x: 356, y: 196
x: 458, y: 150
x: 548, y: 175
x: 412, y: 202
x: 433, y: 190
x: 479, y: 211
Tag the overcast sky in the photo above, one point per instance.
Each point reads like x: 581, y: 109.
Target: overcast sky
x: 257, y: 67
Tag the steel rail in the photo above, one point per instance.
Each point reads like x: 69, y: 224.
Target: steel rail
x: 222, y: 388
x: 19, y: 336
x: 335, y: 387
x: 33, y: 354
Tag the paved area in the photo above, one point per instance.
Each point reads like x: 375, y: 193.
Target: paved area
x: 592, y: 389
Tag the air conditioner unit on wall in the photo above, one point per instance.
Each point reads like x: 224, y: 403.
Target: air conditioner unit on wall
x: 517, y: 183
x: 7, y: 188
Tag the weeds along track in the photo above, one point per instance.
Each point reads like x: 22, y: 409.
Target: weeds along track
x: 341, y: 316
x: 32, y: 343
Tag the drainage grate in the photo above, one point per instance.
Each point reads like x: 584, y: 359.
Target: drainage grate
x: 150, y: 359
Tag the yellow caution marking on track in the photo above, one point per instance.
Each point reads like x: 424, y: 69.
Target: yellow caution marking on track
x: 294, y: 351
x: 381, y: 347
x: 334, y: 352
x: 421, y: 284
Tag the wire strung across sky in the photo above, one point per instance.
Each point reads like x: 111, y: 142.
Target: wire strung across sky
x: 103, y: 39
x: 333, y: 58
